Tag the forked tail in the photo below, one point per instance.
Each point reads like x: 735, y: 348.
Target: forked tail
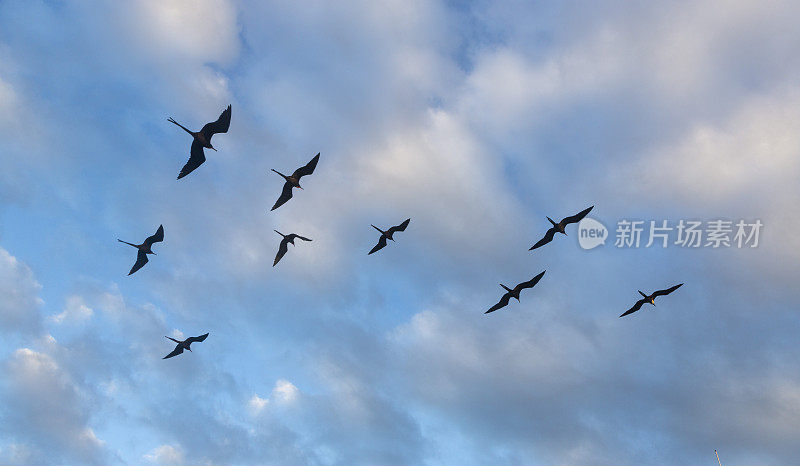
x: 184, y: 128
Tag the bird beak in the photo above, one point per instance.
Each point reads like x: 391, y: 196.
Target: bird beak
x: 301, y: 188
x: 215, y: 150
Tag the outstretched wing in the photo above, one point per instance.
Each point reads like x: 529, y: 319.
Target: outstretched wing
x: 381, y: 244
x: 635, y: 308
x: 546, y: 239
x: 194, y: 339
x: 667, y: 291
x: 577, y: 217
x: 141, y: 259
x: 196, y: 158
x: 286, y: 194
x: 178, y: 350
x: 530, y: 283
x: 220, y: 126
x: 502, y: 303
x: 307, y: 169
x: 156, y: 238
x: 281, y: 251
x: 401, y: 227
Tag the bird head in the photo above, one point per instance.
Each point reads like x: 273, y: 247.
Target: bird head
x: 652, y: 301
x: 298, y: 185
x: 151, y: 252
x: 211, y: 147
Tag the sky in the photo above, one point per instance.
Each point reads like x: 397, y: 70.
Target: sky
x: 476, y: 119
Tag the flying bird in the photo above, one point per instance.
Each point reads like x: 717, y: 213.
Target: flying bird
x: 515, y: 292
x: 202, y: 139
x: 386, y: 235
x: 284, y: 244
x: 650, y: 299
x: 183, y: 345
x: 145, y: 248
x: 293, y: 181
x: 560, y: 227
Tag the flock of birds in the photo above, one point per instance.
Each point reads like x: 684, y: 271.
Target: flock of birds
x: 202, y: 140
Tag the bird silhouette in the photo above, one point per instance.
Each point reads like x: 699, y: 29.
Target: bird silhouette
x: 650, y: 299
x: 515, y: 292
x: 293, y: 181
x: 183, y: 345
x: 202, y: 139
x: 386, y: 235
x: 284, y: 244
x: 145, y: 248
x: 560, y: 227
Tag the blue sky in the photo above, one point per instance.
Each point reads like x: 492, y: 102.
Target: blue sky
x: 475, y: 119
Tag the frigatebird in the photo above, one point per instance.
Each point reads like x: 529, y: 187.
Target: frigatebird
x: 183, y: 345
x: 650, y: 299
x: 202, y: 139
x: 293, y: 181
x: 559, y: 227
x: 284, y: 244
x: 145, y: 248
x: 515, y: 292
x: 385, y: 235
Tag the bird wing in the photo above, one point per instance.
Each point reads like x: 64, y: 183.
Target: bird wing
x: 194, y: 339
x: 281, y: 250
x: 401, y: 227
x: 196, y: 158
x: 529, y: 284
x: 286, y: 194
x: 577, y: 217
x: 156, y: 238
x: 307, y: 169
x: 141, y: 259
x: 381, y: 244
x: 545, y: 239
x: 220, y: 126
x: 635, y: 308
x: 667, y: 291
x: 178, y: 350
x: 502, y: 303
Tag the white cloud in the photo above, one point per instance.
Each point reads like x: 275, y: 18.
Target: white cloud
x: 19, y: 308
x: 75, y: 310
x: 49, y: 408
x: 284, y: 392
x: 167, y: 455
x: 257, y: 404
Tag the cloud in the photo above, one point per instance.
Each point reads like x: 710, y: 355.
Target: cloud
x: 167, y: 455
x: 47, y: 410
x: 20, y: 308
x: 75, y: 310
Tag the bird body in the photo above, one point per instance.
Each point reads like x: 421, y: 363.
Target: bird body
x: 515, y: 292
x: 560, y: 227
x: 183, y: 345
x: 202, y: 139
x: 293, y: 180
x: 283, y: 247
x: 388, y: 235
x: 145, y: 248
x: 650, y: 299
